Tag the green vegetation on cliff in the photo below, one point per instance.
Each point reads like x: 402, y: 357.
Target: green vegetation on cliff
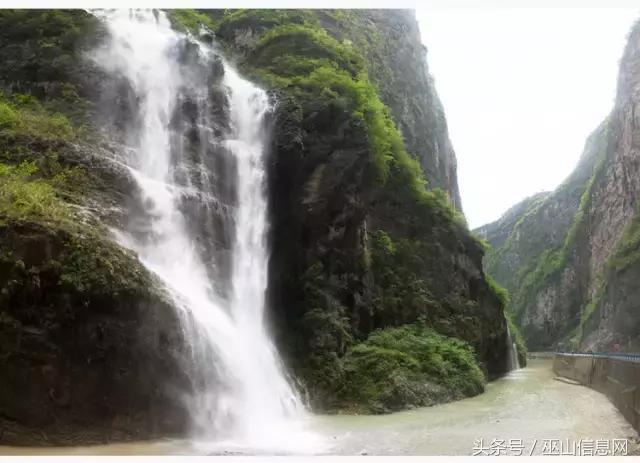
x: 24, y: 196
x: 628, y: 250
x: 296, y: 55
x: 41, y: 52
x: 34, y: 184
x: 395, y: 266
x: 305, y: 61
x: 23, y: 118
x: 411, y: 365
x: 503, y: 296
x: 538, y: 246
x: 371, y: 240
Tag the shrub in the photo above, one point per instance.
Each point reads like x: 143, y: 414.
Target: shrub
x: 262, y: 19
x: 408, y: 365
x: 308, y: 42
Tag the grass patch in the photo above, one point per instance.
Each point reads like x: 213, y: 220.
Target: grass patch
x: 33, y: 183
x: 25, y: 195
x: 24, y: 119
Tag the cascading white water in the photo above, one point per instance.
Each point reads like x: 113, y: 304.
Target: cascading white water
x: 266, y: 393
x: 245, y: 397
x: 514, y: 362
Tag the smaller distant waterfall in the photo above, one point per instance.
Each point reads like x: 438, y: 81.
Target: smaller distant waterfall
x: 514, y: 363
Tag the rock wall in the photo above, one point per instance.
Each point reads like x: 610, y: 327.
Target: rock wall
x: 91, y: 349
x: 399, y: 68
x: 572, y: 256
x: 90, y: 344
x: 355, y: 251
x: 531, y: 243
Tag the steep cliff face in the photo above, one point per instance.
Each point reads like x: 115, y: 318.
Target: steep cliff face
x: 391, y: 44
x: 531, y: 243
x: 378, y: 297
x: 91, y: 348
x: 570, y: 257
x: 611, y: 316
x: 358, y: 243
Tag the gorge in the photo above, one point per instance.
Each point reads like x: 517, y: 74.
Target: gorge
x: 568, y: 257
x: 242, y: 229
x: 147, y: 185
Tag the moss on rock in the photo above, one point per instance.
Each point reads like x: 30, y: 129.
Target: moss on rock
x: 360, y: 239
x: 92, y: 349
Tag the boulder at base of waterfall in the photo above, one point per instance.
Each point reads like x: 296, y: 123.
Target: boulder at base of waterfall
x: 90, y: 351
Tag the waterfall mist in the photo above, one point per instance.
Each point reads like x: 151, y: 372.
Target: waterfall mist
x: 195, y: 145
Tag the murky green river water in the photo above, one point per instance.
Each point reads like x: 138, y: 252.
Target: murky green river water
x: 527, y: 405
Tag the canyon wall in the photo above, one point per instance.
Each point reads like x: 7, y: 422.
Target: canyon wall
x: 569, y: 257
x: 377, y: 296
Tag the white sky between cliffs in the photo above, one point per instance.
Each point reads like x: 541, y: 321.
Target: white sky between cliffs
x: 522, y: 89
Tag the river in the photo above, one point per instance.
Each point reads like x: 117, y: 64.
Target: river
x: 527, y: 405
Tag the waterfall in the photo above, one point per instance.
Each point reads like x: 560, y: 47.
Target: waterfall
x: 514, y: 363
x: 192, y: 170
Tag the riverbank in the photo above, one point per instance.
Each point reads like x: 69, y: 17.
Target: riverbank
x: 615, y: 375
x: 525, y: 405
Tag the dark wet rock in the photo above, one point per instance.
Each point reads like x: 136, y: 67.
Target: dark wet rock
x: 329, y: 288
x: 91, y: 349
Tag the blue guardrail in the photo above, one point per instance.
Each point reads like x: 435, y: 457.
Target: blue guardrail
x: 630, y: 357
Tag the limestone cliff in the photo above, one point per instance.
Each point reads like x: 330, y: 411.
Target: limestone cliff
x: 91, y: 349
x: 359, y: 244
x: 398, y: 66
x: 570, y: 256
x: 377, y: 294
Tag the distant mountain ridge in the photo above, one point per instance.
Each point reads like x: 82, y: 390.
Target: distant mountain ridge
x: 570, y: 258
